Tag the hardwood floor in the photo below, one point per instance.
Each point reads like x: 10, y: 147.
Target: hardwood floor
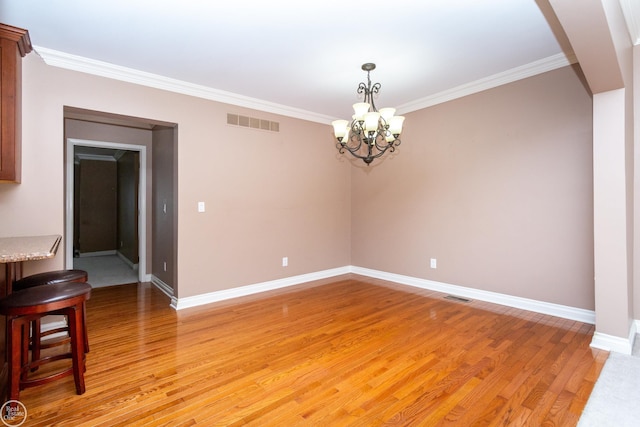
x: 353, y: 351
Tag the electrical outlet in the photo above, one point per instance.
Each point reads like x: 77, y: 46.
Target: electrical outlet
x: 285, y: 261
x: 200, y: 206
x: 433, y: 263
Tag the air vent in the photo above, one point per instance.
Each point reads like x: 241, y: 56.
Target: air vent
x: 252, y: 122
x: 455, y: 298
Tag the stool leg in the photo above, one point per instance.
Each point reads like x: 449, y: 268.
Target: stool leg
x: 14, y: 347
x: 84, y: 327
x: 75, y: 317
x: 24, y: 351
x: 36, y: 327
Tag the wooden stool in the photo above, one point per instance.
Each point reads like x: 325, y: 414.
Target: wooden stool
x: 21, y: 308
x: 50, y: 278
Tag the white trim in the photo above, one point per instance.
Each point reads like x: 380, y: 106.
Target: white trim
x: 563, y: 311
x: 166, y: 289
x: 566, y: 312
x: 197, y: 300
x: 97, y: 253
x: 49, y: 323
x: 116, y: 72
x: 98, y: 157
x: 538, y: 67
x: 85, y: 65
x: 142, y: 199
x: 127, y: 261
x: 614, y: 343
x: 631, y: 12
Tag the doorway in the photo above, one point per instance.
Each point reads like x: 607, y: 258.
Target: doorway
x: 105, y: 210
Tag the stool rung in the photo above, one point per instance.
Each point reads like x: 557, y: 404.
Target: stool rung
x: 43, y: 380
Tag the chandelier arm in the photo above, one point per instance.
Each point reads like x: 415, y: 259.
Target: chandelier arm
x: 362, y: 88
x: 369, y: 157
x: 353, y: 147
x: 388, y: 144
x: 380, y: 147
x: 373, y: 90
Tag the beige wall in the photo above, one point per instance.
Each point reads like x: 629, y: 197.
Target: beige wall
x: 268, y: 195
x: 496, y: 186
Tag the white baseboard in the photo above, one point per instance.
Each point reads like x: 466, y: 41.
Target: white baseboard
x: 97, y: 253
x: 566, y: 312
x: 127, y: 261
x: 186, y: 302
x: 166, y: 289
x: 614, y: 343
x: 49, y: 323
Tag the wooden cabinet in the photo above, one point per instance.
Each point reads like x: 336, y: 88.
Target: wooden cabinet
x: 14, y: 44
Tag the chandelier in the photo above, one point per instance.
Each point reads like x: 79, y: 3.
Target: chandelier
x: 371, y: 132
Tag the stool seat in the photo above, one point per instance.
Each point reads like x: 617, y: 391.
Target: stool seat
x: 28, y: 305
x: 49, y: 278
x: 43, y: 299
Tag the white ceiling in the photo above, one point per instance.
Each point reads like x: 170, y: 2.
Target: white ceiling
x: 299, y: 55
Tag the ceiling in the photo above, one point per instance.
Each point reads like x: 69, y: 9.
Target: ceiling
x: 301, y: 58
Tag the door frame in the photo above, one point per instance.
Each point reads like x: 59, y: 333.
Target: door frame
x: 142, y: 198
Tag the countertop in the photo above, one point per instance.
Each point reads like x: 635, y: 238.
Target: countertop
x: 28, y: 248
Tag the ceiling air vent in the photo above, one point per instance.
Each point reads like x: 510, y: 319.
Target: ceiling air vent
x: 252, y: 122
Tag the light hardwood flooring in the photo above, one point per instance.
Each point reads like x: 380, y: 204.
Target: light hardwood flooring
x: 351, y: 351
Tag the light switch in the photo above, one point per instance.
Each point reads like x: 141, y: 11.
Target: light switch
x: 200, y: 206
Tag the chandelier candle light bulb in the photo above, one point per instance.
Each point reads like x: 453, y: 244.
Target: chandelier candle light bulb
x: 372, y: 132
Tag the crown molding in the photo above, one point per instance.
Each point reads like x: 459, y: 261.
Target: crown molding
x: 631, y: 12
x: 99, y: 157
x: 538, y: 67
x: 104, y: 69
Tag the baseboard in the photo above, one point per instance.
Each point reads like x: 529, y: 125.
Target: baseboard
x: 566, y: 312
x: 97, y: 253
x: 49, y: 323
x: 166, y: 289
x: 614, y: 343
x: 197, y: 300
x: 558, y: 310
x: 127, y: 261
